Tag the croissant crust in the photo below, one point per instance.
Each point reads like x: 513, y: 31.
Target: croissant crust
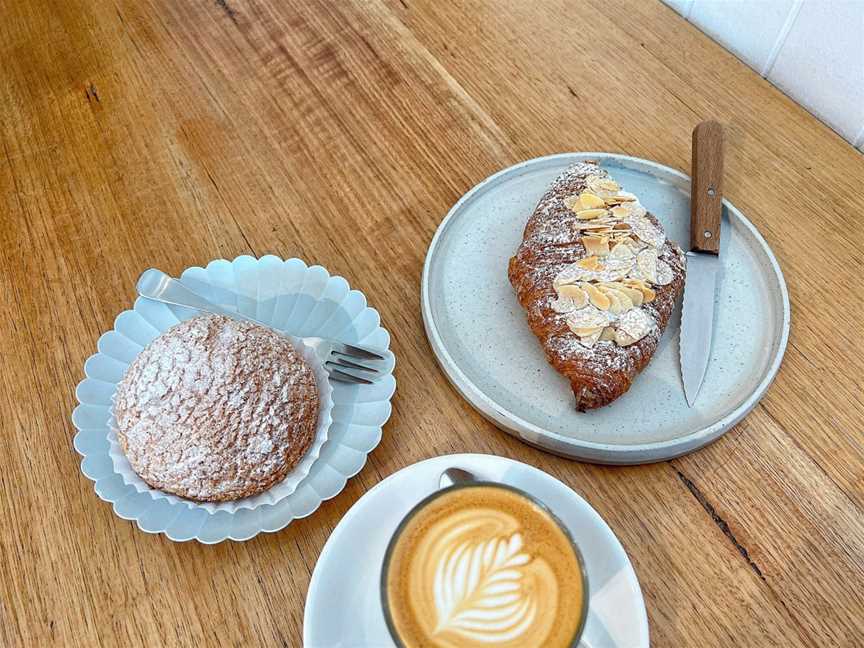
x: 550, y: 242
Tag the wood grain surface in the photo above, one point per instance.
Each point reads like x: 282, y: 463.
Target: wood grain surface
x: 138, y: 134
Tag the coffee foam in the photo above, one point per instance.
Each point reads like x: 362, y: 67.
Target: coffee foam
x: 484, y: 566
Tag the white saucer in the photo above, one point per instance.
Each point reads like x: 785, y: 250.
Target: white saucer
x: 343, y: 608
x: 479, y: 334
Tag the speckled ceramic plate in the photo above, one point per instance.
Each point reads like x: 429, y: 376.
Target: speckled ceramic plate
x: 480, y: 336
x: 289, y: 296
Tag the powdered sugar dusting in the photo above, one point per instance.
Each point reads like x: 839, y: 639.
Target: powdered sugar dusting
x: 216, y: 409
x: 551, y: 244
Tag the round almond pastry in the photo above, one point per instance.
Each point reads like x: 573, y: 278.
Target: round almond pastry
x: 216, y: 409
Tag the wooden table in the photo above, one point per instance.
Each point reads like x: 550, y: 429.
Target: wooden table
x: 171, y: 133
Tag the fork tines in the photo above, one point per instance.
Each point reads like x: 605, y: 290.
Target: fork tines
x: 344, y: 376
x: 355, y: 351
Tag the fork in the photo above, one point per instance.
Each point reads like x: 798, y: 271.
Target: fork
x: 348, y: 363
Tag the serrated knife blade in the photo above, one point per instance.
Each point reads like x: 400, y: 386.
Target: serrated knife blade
x: 697, y: 320
x: 703, y: 260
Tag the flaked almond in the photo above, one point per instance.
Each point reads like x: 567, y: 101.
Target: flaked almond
x: 636, y: 244
x: 590, y: 269
x: 623, y: 295
x: 620, y: 213
x: 626, y: 301
x: 563, y: 305
x: 575, y: 294
x: 616, y: 306
x: 664, y: 273
x: 648, y: 294
x: 623, y: 339
x: 647, y: 231
x: 620, y: 301
x: 564, y: 278
x: 634, y: 294
x: 608, y: 184
x: 573, y: 203
x: 607, y: 334
x: 589, y: 263
x: 616, y: 268
x: 588, y: 317
x: 589, y: 200
x: 621, y: 226
x: 584, y: 332
x: 589, y: 341
x: 596, y: 245
x: 590, y: 214
x: 632, y: 326
x: 591, y: 225
x: 621, y: 251
x: 646, y: 263
x: 593, y: 184
x: 596, y: 297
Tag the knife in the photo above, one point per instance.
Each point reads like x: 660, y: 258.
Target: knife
x: 703, y: 259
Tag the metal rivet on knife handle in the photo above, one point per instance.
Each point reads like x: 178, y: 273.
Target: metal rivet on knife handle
x: 706, y: 197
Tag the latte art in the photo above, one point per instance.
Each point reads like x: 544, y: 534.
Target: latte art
x: 484, y: 566
x: 479, y: 593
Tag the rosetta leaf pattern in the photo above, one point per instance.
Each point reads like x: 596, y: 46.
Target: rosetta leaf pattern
x: 479, y: 593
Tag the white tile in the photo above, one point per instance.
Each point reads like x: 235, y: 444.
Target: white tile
x: 859, y: 141
x: 747, y: 29
x: 681, y: 6
x: 821, y: 63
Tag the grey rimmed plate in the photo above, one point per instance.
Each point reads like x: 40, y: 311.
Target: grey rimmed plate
x: 480, y: 336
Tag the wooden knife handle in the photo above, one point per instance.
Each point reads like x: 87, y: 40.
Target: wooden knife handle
x: 706, y: 197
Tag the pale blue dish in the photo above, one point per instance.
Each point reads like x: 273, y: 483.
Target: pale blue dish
x: 289, y: 296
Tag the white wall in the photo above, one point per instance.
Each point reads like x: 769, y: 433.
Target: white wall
x: 813, y: 50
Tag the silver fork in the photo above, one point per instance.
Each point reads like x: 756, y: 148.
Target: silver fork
x: 344, y: 362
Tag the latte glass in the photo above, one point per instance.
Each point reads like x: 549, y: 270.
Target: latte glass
x: 582, y: 611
